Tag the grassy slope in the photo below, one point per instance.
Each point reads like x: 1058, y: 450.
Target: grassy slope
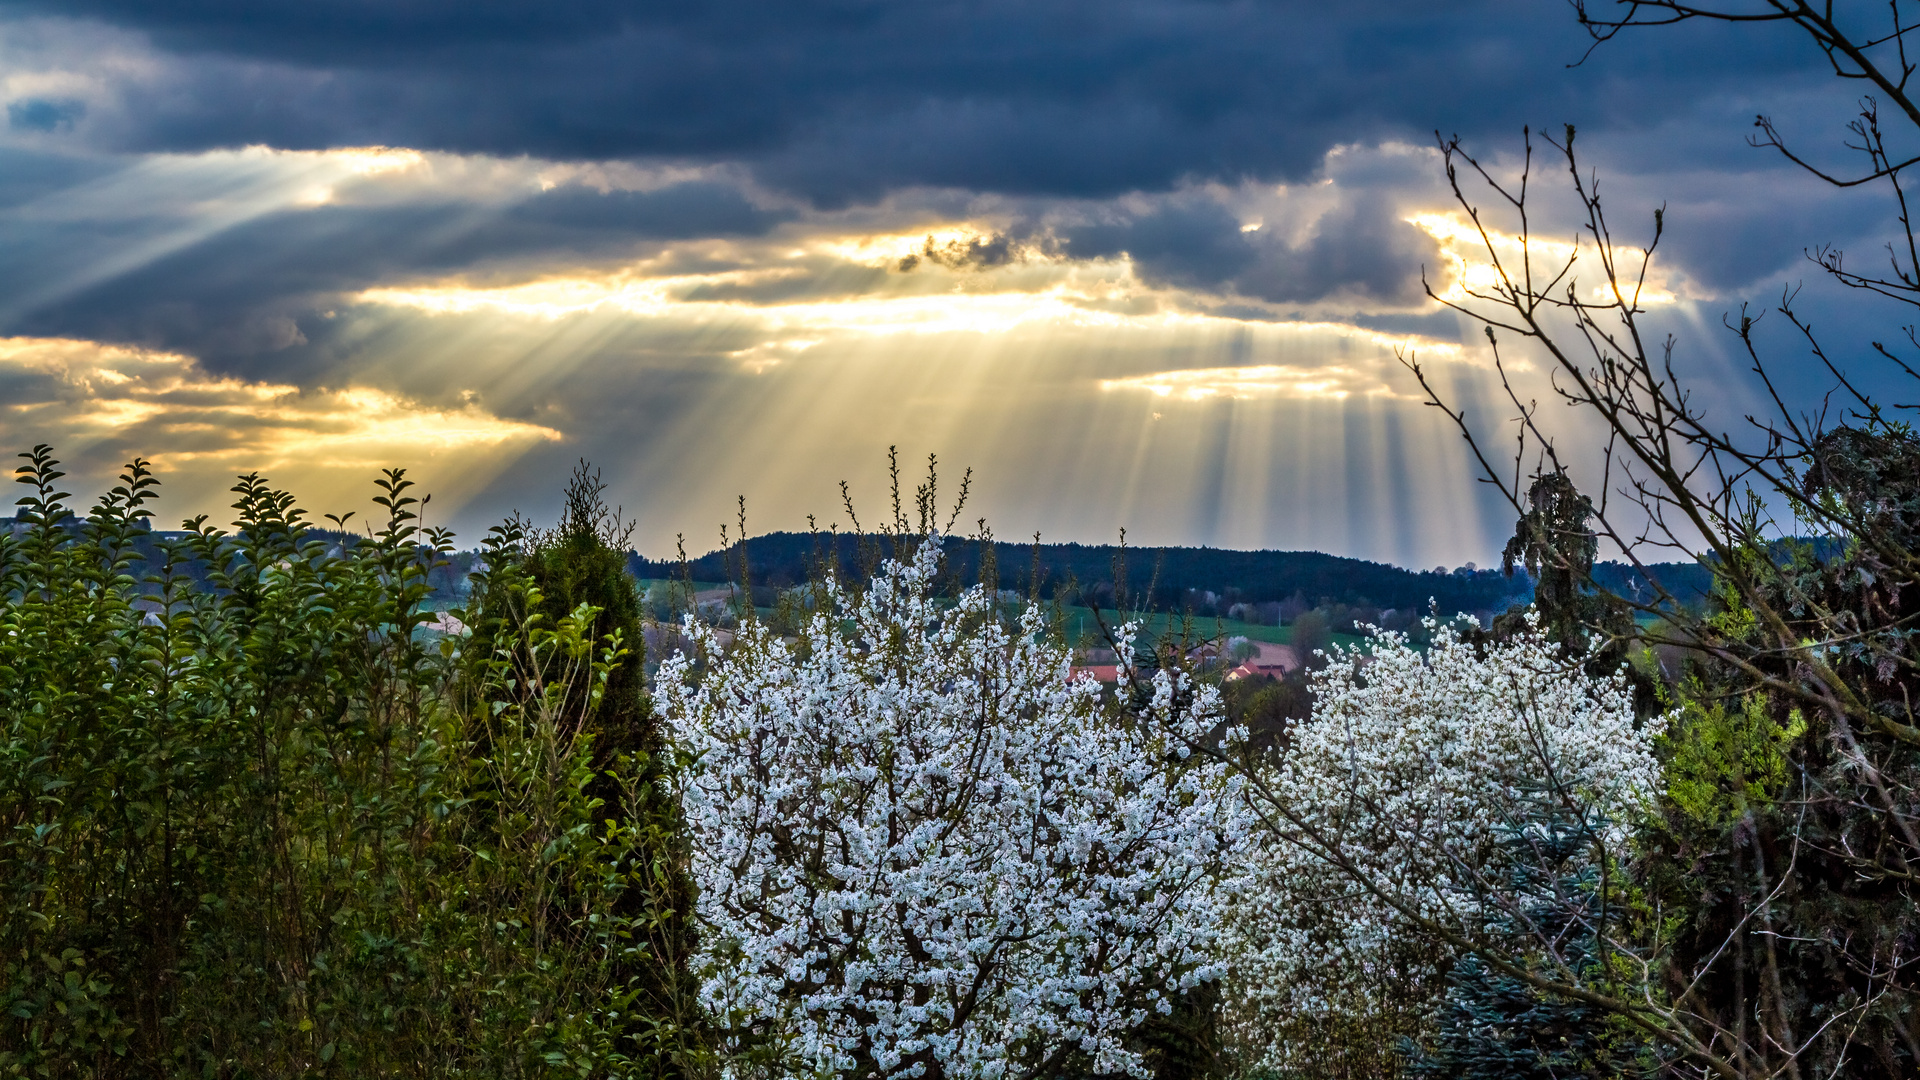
x: 1081, y: 626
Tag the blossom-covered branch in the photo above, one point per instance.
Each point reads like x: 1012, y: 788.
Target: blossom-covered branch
x: 1402, y: 827
x: 922, y: 849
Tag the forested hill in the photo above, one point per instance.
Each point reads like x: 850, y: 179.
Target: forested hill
x: 1689, y: 582
x: 1181, y: 577
x: 1174, y: 573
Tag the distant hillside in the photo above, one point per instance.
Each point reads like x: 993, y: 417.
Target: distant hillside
x: 1181, y: 578
x: 1690, y: 582
x: 1178, y: 575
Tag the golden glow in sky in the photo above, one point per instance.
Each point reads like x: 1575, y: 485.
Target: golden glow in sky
x: 86, y: 397
x: 99, y: 389
x: 1465, y: 247
x: 1092, y: 392
x: 1071, y: 303
x: 1259, y: 380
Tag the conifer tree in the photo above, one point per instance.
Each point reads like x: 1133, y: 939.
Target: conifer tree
x: 1494, y: 1026
x: 583, y: 561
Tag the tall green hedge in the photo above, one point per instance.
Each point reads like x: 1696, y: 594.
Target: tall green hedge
x: 246, y: 828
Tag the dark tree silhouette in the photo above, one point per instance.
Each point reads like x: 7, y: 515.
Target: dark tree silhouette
x: 583, y: 561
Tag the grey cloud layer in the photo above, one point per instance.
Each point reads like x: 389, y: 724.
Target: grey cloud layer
x: 1071, y: 130
x: 843, y: 101
x: 240, y: 295
x: 1361, y: 252
x: 850, y: 102
x: 253, y: 296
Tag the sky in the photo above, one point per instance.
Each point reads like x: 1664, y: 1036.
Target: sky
x: 1148, y: 265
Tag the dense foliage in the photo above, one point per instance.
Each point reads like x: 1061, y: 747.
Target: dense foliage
x: 1496, y: 1026
x: 534, y: 579
x: 249, y: 831
x: 263, y: 820
x: 1789, y: 835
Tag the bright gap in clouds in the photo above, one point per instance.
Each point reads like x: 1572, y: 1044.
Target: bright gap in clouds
x: 1469, y: 251
x: 1078, y: 424
x: 101, y: 405
x: 1100, y: 295
x: 1080, y: 290
x: 1091, y: 395
x: 1333, y: 381
x: 166, y: 203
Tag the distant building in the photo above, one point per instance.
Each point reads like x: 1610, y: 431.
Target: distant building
x: 1276, y: 661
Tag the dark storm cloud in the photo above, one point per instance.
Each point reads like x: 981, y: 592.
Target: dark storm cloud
x: 566, y: 220
x: 1043, y: 103
x: 693, y: 208
x: 1194, y: 243
x: 971, y: 253
x: 1728, y: 240
x: 1359, y: 250
x: 844, y: 101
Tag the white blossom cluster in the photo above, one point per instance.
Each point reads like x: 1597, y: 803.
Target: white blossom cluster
x: 1395, y: 796
x: 922, y: 849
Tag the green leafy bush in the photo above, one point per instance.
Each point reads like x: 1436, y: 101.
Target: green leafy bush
x: 258, y: 822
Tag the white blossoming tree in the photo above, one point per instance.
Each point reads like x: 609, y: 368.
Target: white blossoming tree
x: 1403, y: 828
x: 922, y: 849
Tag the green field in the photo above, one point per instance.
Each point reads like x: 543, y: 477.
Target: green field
x: 1082, y: 628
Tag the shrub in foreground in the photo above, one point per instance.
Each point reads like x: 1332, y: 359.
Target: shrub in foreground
x: 248, y: 830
